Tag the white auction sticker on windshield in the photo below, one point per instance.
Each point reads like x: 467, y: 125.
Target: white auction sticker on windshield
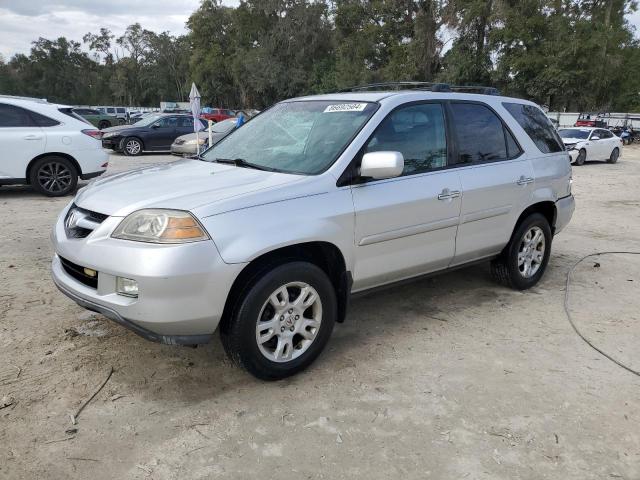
x: 345, y: 107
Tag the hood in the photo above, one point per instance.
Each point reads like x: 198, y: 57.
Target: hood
x: 186, y: 185
x: 568, y: 141
x: 117, y: 128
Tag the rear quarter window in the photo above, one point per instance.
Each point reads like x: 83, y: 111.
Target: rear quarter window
x: 536, y: 124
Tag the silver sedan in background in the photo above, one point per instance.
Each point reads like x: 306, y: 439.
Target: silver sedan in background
x: 188, y: 144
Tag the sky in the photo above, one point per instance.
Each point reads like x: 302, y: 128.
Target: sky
x: 23, y: 21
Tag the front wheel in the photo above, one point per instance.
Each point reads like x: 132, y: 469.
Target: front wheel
x: 613, y: 158
x: 582, y: 157
x: 524, y: 260
x: 132, y: 146
x: 282, y: 322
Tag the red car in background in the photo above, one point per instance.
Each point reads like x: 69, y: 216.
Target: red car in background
x: 590, y: 120
x: 218, y: 114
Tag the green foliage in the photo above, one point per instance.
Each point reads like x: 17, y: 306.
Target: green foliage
x: 565, y: 54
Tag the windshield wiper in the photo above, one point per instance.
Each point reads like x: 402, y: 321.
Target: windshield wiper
x: 241, y: 162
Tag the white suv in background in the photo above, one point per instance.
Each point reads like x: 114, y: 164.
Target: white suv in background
x: 47, y: 146
x: 267, y: 233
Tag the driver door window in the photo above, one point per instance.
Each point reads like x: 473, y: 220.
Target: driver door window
x: 416, y: 131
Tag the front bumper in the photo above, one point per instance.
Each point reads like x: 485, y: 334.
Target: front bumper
x: 564, y: 211
x: 573, y: 154
x: 112, y: 143
x: 185, y: 149
x: 182, y: 288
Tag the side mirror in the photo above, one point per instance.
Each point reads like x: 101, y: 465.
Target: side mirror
x: 380, y: 165
x: 595, y: 137
x: 155, y: 125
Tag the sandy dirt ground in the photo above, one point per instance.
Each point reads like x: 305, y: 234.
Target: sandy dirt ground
x: 451, y: 377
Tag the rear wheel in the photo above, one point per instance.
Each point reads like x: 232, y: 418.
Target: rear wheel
x: 524, y: 260
x: 132, y: 146
x: 613, y: 158
x: 104, y: 124
x: 582, y: 156
x: 282, y: 321
x: 53, y: 176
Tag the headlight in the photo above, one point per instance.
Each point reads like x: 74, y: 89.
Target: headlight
x: 201, y: 141
x: 160, y: 226
x: 109, y: 135
x: 570, y: 146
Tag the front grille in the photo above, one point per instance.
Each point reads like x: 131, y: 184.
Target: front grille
x: 79, y: 223
x: 77, y: 272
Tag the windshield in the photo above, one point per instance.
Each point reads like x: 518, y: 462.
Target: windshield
x: 574, y: 133
x: 303, y: 137
x: 145, y: 122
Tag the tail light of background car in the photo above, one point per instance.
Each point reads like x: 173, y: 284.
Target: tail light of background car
x: 97, y: 134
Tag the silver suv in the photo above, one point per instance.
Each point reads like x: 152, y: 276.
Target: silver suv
x: 267, y: 234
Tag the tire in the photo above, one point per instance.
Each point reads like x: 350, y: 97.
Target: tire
x: 53, y: 176
x: 582, y: 156
x: 256, y: 311
x: 613, y: 158
x: 104, y: 124
x: 121, y: 121
x: 131, y: 146
x: 509, y: 268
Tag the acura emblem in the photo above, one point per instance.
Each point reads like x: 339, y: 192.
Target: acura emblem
x: 73, y: 218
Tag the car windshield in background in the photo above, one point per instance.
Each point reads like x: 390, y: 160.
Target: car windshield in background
x: 303, y: 137
x: 145, y: 122
x: 574, y: 133
x: 224, y: 125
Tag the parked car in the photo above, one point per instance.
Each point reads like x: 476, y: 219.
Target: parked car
x: 97, y: 118
x: 119, y: 112
x: 188, y: 144
x: 218, y: 114
x: 47, y: 146
x: 587, y: 143
x: 590, y: 120
x: 269, y: 232
x: 154, y: 133
x: 137, y: 116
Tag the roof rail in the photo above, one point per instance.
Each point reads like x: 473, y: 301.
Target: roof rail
x: 33, y: 99
x: 428, y: 86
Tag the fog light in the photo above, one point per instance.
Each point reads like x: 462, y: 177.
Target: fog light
x: 126, y: 287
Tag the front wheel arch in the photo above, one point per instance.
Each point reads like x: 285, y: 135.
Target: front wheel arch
x: 131, y: 137
x: 325, y: 255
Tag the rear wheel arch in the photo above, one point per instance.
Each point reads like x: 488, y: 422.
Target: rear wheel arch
x: 325, y: 255
x: 52, y: 154
x: 546, y: 208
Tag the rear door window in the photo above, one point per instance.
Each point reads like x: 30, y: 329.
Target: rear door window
x: 13, y: 116
x: 186, y: 122
x: 481, y: 135
x: 537, y: 125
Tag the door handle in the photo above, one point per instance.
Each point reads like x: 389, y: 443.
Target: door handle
x: 446, y: 194
x: 524, y: 180
x: 32, y: 137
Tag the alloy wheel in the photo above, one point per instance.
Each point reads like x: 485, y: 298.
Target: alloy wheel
x: 531, y: 252
x: 54, y: 177
x: 133, y: 147
x: 289, y: 322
